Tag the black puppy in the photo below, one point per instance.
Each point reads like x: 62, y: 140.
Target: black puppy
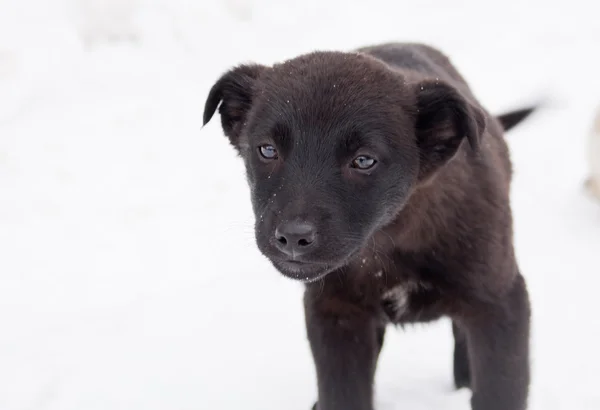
x: 378, y: 179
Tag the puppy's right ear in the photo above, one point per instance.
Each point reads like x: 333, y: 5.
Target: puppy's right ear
x: 235, y: 90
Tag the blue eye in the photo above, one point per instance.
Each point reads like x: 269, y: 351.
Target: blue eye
x: 363, y: 162
x: 268, y: 151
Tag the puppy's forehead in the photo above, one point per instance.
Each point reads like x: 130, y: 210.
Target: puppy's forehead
x: 325, y: 89
x: 333, y: 74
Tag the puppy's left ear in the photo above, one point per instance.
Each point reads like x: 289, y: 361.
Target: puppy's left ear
x: 235, y: 90
x: 444, y: 119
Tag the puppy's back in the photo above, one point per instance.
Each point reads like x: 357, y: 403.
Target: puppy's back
x: 423, y: 61
x: 420, y: 58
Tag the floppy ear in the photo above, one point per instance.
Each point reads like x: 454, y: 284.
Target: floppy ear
x: 234, y: 89
x: 444, y: 119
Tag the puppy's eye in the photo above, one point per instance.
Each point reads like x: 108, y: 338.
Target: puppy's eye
x: 363, y: 162
x: 267, y: 151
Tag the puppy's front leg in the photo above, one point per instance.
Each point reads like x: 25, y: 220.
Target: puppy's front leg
x: 498, y: 344
x: 345, y: 340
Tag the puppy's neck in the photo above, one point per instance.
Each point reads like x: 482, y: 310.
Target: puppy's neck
x: 433, y: 209
x: 417, y: 228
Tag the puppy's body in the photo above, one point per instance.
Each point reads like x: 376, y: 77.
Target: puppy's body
x: 426, y: 232
x: 593, y: 151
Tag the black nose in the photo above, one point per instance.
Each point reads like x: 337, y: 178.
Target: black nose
x: 295, y: 238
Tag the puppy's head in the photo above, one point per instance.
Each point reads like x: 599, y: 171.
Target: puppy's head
x: 334, y: 144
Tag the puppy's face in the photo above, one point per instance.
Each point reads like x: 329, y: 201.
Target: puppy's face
x: 333, y: 145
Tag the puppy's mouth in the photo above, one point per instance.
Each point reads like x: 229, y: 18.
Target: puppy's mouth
x: 308, y: 272
x: 303, y: 271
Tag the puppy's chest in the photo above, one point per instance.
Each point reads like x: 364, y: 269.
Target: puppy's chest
x: 407, y: 288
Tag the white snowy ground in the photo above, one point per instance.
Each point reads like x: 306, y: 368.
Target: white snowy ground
x: 128, y: 274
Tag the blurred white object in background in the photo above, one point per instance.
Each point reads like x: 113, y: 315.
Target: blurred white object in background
x: 9, y: 90
x: 8, y: 64
x: 240, y: 9
x: 106, y: 21
x: 593, y: 148
x: 36, y: 40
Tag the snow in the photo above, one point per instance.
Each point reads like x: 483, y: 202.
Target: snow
x: 129, y: 278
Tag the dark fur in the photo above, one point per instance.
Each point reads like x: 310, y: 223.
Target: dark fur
x: 426, y: 233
